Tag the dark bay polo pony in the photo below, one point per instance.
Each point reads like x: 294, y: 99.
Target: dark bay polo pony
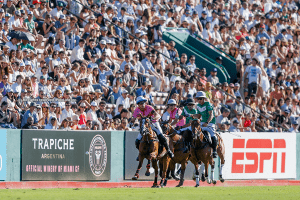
x: 148, y: 149
x: 179, y: 149
x: 201, y: 151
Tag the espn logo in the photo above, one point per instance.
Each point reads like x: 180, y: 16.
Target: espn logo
x: 249, y: 155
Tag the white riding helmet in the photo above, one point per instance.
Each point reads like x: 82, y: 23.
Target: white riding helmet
x: 140, y: 99
x: 172, y: 102
x: 200, y: 94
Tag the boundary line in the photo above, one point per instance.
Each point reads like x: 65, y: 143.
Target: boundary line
x: 139, y: 184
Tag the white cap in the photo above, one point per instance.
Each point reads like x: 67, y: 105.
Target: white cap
x: 124, y: 92
x: 242, y: 48
x: 172, y: 102
x: 30, y: 13
x: 93, y: 103
x: 75, y: 117
x: 82, y: 105
x: 27, y: 62
x: 102, y: 42
x: 163, y: 18
x: 200, y: 94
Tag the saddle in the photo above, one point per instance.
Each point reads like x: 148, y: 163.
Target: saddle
x: 207, y: 137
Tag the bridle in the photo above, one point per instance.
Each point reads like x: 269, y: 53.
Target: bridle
x: 198, y: 135
x: 143, y: 129
x: 165, y: 128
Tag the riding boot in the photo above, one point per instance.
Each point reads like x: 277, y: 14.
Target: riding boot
x: 137, y: 145
x: 164, y: 141
x: 214, y: 146
x: 187, y: 147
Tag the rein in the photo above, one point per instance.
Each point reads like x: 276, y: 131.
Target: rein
x: 198, y: 134
x: 147, y: 132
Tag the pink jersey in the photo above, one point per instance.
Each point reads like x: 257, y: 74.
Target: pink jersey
x: 146, y: 113
x: 172, y: 116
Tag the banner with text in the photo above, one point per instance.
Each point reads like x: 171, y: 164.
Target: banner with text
x: 260, y: 155
x: 66, y: 155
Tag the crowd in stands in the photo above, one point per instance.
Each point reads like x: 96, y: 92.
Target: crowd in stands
x: 91, y: 59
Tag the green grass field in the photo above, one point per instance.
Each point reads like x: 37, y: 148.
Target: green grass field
x: 258, y: 192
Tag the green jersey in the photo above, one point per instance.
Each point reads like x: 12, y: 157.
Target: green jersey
x: 187, y: 112
x: 204, y: 111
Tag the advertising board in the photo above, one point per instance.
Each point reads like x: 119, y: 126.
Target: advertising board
x: 260, y: 155
x: 66, y: 155
x: 3, y: 147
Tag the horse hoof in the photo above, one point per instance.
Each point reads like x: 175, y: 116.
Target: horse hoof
x: 155, y: 186
x: 147, y: 174
x: 214, y: 182
x: 221, y: 179
x: 197, y: 185
x: 165, y: 183
x: 202, y: 178
x: 180, y: 184
x: 208, y: 181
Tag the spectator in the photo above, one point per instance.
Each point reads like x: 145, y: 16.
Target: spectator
x: 91, y: 114
x: 65, y: 125
x: 294, y: 128
x: 237, y: 107
x: 234, y: 126
x: 52, y: 123
x: 123, y: 114
x: 4, y: 85
x: 67, y: 112
x: 213, y: 77
x: 30, y: 113
x: 29, y: 123
x: 223, y: 118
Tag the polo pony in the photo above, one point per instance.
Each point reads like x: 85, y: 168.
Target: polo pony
x: 181, y: 156
x: 201, y: 151
x: 149, y: 149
